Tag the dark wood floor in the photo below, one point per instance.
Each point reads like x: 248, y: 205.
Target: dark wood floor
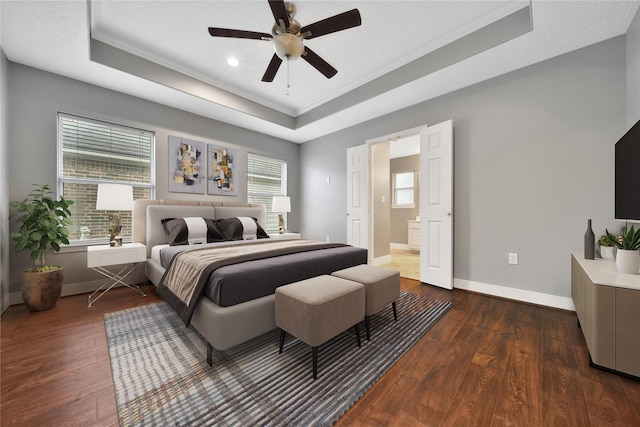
x: 487, y: 362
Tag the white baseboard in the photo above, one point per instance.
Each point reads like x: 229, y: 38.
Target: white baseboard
x: 381, y: 260
x: 399, y: 246
x: 522, y: 295
x: 15, y: 298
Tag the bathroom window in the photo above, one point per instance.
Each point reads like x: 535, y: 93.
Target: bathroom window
x: 404, y: 189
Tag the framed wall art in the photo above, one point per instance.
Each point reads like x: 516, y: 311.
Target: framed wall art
x: 187, y: 165
x: 220, y: 170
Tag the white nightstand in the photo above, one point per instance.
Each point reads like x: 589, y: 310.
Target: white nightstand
x: 129, y: 255
x: 285, y: 236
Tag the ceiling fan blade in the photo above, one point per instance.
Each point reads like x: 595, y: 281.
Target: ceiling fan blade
x: 318, y: 63
x: 272, y: 69
x: 279, y: 11
x: 239, y: 34
x: 339, y: 22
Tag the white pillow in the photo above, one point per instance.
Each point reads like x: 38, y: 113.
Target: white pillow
x: 197, y: 230
x: 249, y: 228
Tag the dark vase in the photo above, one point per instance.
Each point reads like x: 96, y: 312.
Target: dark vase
x: 589, y: 242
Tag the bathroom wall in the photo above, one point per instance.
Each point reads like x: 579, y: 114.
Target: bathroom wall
x: 399, y: 216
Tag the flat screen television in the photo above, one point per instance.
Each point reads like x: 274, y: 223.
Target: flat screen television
x: 627, y: 192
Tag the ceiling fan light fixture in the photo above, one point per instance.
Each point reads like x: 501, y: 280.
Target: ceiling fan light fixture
x: 287, y: 37
x: 288, y: 46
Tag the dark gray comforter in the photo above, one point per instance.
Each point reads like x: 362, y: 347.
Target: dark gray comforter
x: 238, y: 282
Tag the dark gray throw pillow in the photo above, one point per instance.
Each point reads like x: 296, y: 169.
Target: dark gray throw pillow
x: 179, y: 233
x: 232, y: 229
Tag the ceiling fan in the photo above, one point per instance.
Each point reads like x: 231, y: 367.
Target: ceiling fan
x: 287, y: 36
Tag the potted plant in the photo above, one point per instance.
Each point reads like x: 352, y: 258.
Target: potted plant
x: 606, y: 248
x: 43, y: 223
x: 627, y: 254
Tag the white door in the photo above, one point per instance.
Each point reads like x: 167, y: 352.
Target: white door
x: 357, y: 196
x: 436, y: 205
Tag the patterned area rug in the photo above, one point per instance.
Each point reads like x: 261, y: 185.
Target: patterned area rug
x: 161, y: 376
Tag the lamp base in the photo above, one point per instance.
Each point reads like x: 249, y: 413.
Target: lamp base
x: 280, y: 224
x: 115, y: 229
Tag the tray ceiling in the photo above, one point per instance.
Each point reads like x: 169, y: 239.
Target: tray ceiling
x: 404, y: 52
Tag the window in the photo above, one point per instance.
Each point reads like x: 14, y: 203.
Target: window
x: 403, y: 189
x: 266, y: 177
x: 91, y: 152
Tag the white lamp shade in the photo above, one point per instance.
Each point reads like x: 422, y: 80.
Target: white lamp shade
x: 281, y: 204
x: 114, y: 197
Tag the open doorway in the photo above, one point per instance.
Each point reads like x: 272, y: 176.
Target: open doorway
x: 395, y: 208
x: 435, y: 190
x: 404, y: 218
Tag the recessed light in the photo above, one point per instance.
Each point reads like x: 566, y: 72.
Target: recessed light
x: 233, y: 62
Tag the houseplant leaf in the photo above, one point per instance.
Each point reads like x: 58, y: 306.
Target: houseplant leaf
x: 43, y: 222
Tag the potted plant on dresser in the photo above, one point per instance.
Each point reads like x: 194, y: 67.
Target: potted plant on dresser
x: 43, y: 222
x: 628, y: 249
x: 606, y: 248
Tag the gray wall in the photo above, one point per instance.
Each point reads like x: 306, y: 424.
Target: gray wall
x: 533, y: 157
x: 381, y: 203
x: 34, y: 99
x: 4, y: 188
x: 633, y: 71
x: 399, y: 216
x: 533, y: 161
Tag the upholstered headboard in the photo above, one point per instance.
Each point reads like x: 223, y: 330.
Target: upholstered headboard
x: 147, y: 216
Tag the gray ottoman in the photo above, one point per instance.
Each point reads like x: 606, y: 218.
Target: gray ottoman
x: 381, y: 288
x: 317, y: 309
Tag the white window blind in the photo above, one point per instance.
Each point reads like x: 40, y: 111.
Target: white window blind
x: 266, y: 177
x: 91, y: 152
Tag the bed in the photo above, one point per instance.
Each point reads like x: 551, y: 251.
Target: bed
x: 234, y: 301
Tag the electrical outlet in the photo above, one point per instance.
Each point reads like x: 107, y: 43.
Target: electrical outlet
x: 513, y: 258
x: 327, y: 239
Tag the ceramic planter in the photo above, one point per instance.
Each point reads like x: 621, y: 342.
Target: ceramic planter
x: 41, y: 290
x: 606, y: 252
x: 628, y: 261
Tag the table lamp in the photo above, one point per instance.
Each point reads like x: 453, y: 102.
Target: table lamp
x: 281, y: 204
x: 115, y: 197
